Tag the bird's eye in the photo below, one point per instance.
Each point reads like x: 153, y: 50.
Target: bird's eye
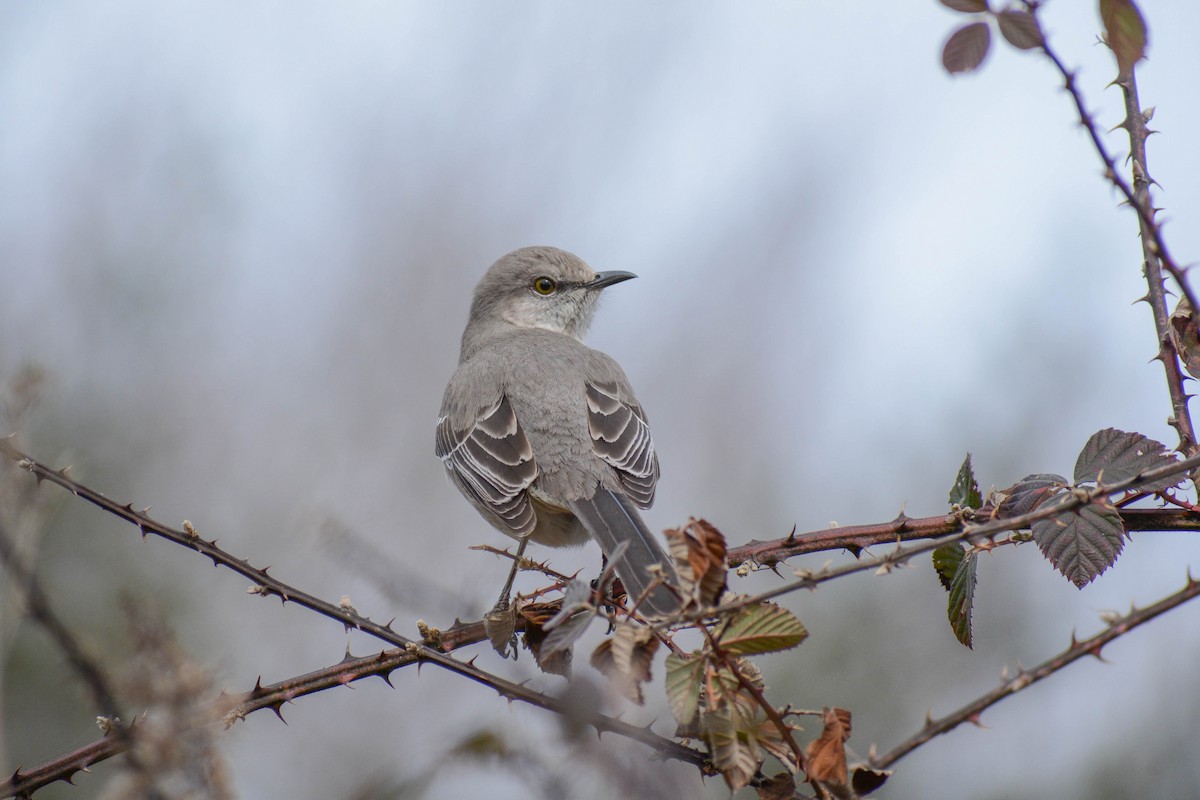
x: 544, y: 285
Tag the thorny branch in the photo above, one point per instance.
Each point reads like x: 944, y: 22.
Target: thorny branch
x: 1154, y: 248
x: 269, y: 585
x: 1088, y: 647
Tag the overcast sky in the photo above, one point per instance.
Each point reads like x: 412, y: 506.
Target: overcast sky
x: 241, y: 237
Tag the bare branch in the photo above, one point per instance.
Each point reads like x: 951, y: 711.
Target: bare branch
x: 1026, y: 678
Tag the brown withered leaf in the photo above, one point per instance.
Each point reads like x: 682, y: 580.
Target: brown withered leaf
x: 501, y: 624
x: 966, y: 48
x: 1185, y: 334
x: 777, y: 787
x: 865, y: 779
x: 625, y: 659
x: 827, y: 753
x: 699, y: 549
x: 536, y: 615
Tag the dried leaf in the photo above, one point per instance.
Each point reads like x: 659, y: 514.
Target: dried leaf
x: 777, y: 787
x: 625, y: 659
x: 962, y: 598
x: 1021, y: 29
x: 1029, y: 493
x: 965, y: 491
x: 1185, y: 334
x: 827, y: 753
x: 699, y: 550
x: 865, y: 779
x: 966, y: 48
x: 1112, y: 455
x: 762, y: 628
x: 734, y: 754
x: 1081, y: 544
x: 771, y: 739
x: 1125, y: 33
x: 946, y: 560
x: 683, y: 684
x: 536, y: 615
x: 966, y: 6
x: 500, y: 624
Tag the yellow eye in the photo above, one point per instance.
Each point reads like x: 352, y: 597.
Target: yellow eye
x: 544, y: 285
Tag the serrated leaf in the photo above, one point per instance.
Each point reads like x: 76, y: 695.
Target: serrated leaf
x: 683, y: 683
x: 966, y: 48
x: 1021, y: 29
x: 946, y: 560
x: 1125, y: 32
x: 1112, y: 455
x: 1081, y: 544
x: 762, y: 628
x: 965, y: 491
x: 1030, y: 492
x: 962, y: 599
x: 500, y: 625
x: 735, y: 754
x: 965, y: 6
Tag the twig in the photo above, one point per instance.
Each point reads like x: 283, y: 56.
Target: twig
x: 1025, y: 678
x: 269, y: 585
x: 1077, y: 499
x: 1154, y: 247
x: 856, y: 538
x: 38, y: 606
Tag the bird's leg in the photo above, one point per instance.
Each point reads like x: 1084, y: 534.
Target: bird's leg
x: 502, y: 603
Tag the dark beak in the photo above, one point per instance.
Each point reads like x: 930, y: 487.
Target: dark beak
x: 605, y: 279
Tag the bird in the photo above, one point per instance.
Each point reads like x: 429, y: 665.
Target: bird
x: 543, y: 434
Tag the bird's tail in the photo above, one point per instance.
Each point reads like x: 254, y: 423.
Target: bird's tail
x: 612, y: 519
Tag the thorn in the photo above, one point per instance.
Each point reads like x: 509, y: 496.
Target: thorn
x: 791, y: 537
x: 277, y: 707
x: 976, y: 719
x: 257, y: 687
x: 928, y: 718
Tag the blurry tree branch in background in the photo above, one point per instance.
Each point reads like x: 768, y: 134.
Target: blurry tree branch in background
x: 716, y: 692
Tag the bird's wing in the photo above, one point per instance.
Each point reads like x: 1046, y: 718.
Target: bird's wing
x: 493, y: 461
x: 621, y: 437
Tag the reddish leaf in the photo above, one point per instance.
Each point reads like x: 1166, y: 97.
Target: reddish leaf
x: 1112, y: 455
x: 966, y: 48
x: 966, y: 6
x: 1029, y: 493
x: 1081, y: 544
x: 1125, y: 32
x: 1021, y: 29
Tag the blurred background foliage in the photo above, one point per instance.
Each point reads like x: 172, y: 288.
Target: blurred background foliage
x: 239, y: 239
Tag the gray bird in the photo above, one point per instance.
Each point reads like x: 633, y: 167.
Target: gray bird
x: 542, y: 433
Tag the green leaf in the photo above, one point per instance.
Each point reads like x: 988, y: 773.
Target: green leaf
x: 962, y: 598
x: 966, y: 48
x: 965, y: 491
x: 946, y: 560
x: 1112, y: 455
x: 683, y: 686
x: 734, y: 752
x: 1125, y: 33
x: 1081, y: 544
x: 966, y: 6
x: 762, y: 628
x: 1021, y: 29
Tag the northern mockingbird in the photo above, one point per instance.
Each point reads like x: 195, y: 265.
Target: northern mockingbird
x: 542, y: 433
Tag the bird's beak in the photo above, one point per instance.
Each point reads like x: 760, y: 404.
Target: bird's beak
x: 604, y: 279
